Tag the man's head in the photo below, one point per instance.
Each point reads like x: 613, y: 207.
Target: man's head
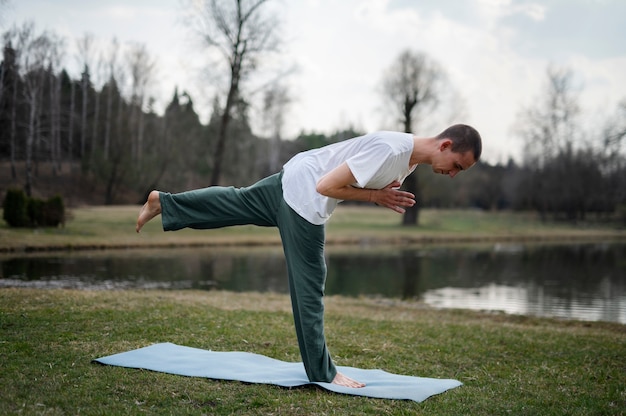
x: 464, y: 138
x: 458, y: 148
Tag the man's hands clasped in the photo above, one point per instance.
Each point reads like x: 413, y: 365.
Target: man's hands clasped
x: 393, y: 198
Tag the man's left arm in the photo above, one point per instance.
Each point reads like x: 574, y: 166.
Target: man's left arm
x: 338, y: 184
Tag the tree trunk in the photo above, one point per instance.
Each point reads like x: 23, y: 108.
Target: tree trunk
x: 94, y: 134
x: 13, y: 128
x: 221, y: 139
x: 30, y: 139
x: 57, y: 123
x: 107, y: 130
x: 411, y: 214
x: 83, y: 118
x: 140, y: 133
x: 411, y: 183
x: 70, y: 130
x: 53, y: 131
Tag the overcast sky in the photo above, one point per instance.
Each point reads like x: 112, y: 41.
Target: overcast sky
x: 495, y: 52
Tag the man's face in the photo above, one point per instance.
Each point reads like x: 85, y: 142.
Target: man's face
x: 447, y: 162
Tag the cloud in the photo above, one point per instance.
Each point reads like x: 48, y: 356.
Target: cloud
x: 120, y: 12
x: 494, y: 10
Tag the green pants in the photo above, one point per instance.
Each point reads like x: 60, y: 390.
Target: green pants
x: 303, y: 244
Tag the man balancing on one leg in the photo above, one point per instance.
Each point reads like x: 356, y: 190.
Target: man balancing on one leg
x: 301, y: 198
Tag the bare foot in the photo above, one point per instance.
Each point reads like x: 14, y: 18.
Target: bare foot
x: 150, y: 209
x: 345, y: 381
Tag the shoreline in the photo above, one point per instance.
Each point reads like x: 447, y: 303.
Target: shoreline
x: 354, y: 240
x: 113, y: 227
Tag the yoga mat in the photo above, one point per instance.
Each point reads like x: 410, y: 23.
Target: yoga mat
x: 255, y: 368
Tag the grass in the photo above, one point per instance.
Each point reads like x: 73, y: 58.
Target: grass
x: 114, y: 227
x: 508, y: 364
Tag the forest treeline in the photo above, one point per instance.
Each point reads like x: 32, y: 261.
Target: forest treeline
x: 112, y: 138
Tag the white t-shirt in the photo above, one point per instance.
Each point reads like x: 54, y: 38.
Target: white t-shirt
x: 376, y: 160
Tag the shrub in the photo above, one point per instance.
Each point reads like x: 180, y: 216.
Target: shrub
x: 53, y: 213
x: 34, y: 210
x: 21, y: 211
x: 15, y: 208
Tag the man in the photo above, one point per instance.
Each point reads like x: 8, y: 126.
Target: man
x: 301, y: 198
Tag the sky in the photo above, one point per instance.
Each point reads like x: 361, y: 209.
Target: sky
x: 335, y: 52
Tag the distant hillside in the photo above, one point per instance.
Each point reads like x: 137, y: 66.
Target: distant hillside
x: 68, y: 182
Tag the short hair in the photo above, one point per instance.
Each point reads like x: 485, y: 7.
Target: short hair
x: 464, y: 139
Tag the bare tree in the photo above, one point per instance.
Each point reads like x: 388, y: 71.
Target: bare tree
x: 413, y: 88
x: 410, y: 87
x: 275, y: 103
x: 85, y: 47
x: 10, y: 81
x: 55, y: 59
x: 559, y: 174
x: 613, y: 138
x: 549, y: 125
x: 97, y: 80
x: 614, y: 155
x: 70, y: 121
x: 31, y: 57
x: 36, y: 53
x: 241, y: 33
x: 112, y: 84
x: 141, y: 67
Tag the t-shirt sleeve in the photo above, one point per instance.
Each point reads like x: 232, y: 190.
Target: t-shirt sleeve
x: 366, y: 163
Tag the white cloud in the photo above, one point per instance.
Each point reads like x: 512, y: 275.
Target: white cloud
x: 120, y: 12
x: 494, y: 10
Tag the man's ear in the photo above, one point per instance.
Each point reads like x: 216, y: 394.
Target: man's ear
x: 445, y: 144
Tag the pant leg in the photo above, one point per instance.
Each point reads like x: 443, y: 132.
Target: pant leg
x: 303, y: 244
x: 218, y: 206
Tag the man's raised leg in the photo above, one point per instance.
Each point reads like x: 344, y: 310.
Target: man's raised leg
x: 150, y: 209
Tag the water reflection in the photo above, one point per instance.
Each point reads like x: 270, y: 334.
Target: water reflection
x: 581, y: 281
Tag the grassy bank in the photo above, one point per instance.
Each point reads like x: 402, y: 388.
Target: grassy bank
x: 509, y: 365
x: 113, y: 227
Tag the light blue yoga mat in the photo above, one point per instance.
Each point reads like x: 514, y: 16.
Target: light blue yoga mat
x: 255, y: 368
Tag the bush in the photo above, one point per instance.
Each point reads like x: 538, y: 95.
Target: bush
x: 53, y: 213
x: 21, y: 211
x: 34, y: 209
x: 15, y: 208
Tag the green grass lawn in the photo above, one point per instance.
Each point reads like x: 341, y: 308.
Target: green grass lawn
x: 508, y: 364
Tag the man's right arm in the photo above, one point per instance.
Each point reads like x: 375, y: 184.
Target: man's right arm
x: 338, y: 184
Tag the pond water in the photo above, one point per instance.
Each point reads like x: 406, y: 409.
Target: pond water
x: 573, y: 281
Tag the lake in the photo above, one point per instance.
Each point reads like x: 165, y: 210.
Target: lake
x: 571, y: 281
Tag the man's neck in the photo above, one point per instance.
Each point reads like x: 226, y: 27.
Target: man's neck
x: 422, y: 150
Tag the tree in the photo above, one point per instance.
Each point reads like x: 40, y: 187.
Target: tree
x: 36, y: 53
x: 241, y: 34
x: 275, y: 103
x: 9, y: 87
x: 412, y: 88
x: 171, y: 157
x: 548, y: 128
x: 111, y: 87
x: 142, y: 68
x: 85, y: 47
x: 614, y: 158
x: 550, y: 124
